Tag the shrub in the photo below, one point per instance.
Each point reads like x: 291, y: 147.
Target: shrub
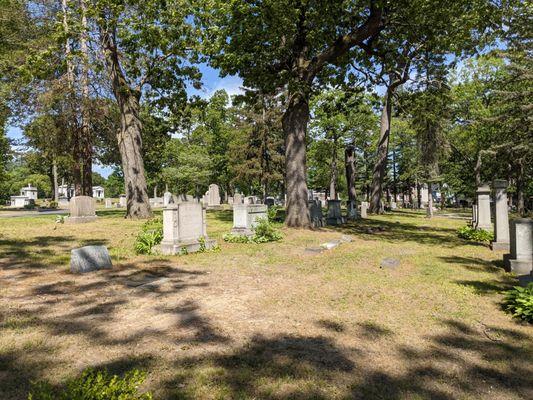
x: 476, y: 235
x: 94, y: 385
x: 519, y: 302
x: 272, y: 213
x: 264, y: 232
x: 52, y: 204
x: 150, y: 235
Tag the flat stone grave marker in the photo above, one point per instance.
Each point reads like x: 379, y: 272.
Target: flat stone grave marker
x: 389, y: 263
x: 89, y: 258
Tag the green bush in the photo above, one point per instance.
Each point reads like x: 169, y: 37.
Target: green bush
x: 94, y: 385
x: 150, y: 235
x: 476, y: 235
x: 272, y: 213
x: 519, y: 302
x: 264, y: 232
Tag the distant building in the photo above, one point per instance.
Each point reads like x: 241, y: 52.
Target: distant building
x: 28, y: 195
x: 68, y: 191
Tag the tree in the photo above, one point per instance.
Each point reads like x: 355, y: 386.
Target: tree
x: 145, y: 45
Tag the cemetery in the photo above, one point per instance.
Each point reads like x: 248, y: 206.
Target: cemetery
x: 272, y: 200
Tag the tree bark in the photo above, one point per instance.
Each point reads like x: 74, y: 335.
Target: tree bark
x: 54, y: 174
x: 429, y: 210
x: 129, y: 137
x: 333, y: 180
x: 418, y: 196
x: 381, y: 156
x: 295, y: 129
x: 86, y: 135
x: 349, y: 159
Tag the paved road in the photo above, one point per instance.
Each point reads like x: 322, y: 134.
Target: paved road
x: 15, y: 214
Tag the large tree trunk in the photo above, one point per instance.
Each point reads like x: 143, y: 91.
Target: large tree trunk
x: 349, y: 159
x: 86, y: 137
x: 295, y: 128
x: 381, y: 156
x: 333, y: 177
x: 129, y: 137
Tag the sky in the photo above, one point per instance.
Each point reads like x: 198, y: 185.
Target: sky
x: 212, y: 81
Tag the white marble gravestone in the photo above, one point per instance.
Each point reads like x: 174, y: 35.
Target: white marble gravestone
x: 501, y: 216
x: 334, y: 213
x: 167, y: 198
x: 122, y: 201
x: 246, y: 216
x: 238, y: 198
x: 184, y: 229
x: 213, y: 196
x: 364, y: 209
x: 108, y: 203
x: 483, y: 208
x: 82, y: 209
x: 520, y: 260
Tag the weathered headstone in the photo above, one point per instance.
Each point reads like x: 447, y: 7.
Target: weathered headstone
x: 122, y: 201
x: 501, y: 216
x: 483, y: 208
x: 364, y: 209
x: 82, y: 209
x: 389, y: 263
x: 89, y: 258
x: 393, y: 205
x: 213, y: 195
x: 108, y: 203
x: 334, y: 213
x: 351, y: 210
x: 250, y: 200
x: 315, y: 213
x: 184, y: 229
x: 270, y: 201
x: 167, y: 199
x: 246, y: 216
x: 238, y: 198
x: 520, y: 260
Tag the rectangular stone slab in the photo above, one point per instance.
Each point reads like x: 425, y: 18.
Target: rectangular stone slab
x: 89, y: 258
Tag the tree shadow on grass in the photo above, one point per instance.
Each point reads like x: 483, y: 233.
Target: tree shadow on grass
x: 396, y: 231
x: 475, y: 264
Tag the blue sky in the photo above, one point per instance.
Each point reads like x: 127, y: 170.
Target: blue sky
x: 211, y: 83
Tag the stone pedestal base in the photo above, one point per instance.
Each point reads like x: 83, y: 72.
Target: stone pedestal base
x: 335, y: 220
x: 499, y: 246
x: 186, y: 247
x: 242, y: 232
x: 80, y: 220
x: 519, y: 267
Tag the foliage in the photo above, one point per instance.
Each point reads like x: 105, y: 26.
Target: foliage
x: 150, y: 235
x: 264, y: 231
x: 272, y: 213
x: 476, y: 235
x: 519, y: 302
x: 94, y: 385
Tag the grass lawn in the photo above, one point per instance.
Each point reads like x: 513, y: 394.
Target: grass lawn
x: 265, y: 321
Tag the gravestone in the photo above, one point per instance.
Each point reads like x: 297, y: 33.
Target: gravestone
x: 246, y: 216
x: 364, y: 209
x: 334, y: 213
x: 501, y: 216
x: 315, y: 213
x: 483, y: 208
x: 250, y: 200
x: 393, y: 205
x: 270, y: 201
x: 108, y: 203
x: 351, y: 210
x: 167, y: 199
x: 230, y: 200
x: 122, y: 201
x: 213, y: 195
x: 82, y: 209
x: 184, y: 229
x: 520, y: 259
x: 238, y: 198
x: 89, y: 258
